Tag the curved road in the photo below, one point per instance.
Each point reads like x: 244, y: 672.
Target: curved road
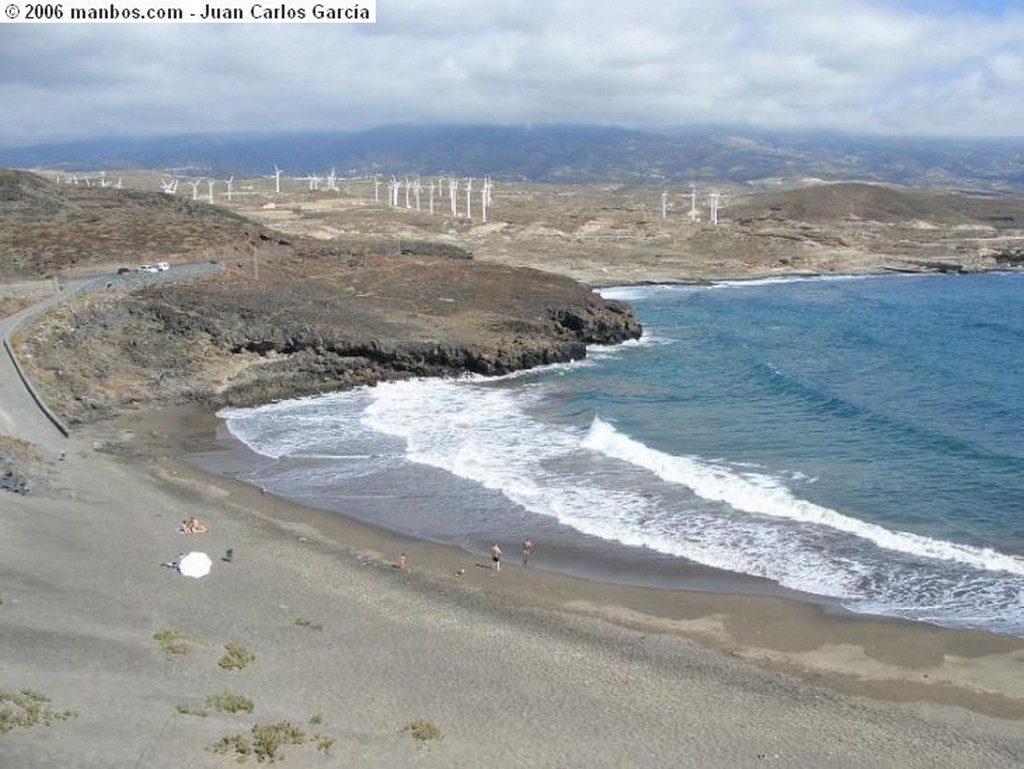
x: 20, y: 415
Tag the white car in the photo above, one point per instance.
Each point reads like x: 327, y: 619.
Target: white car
x: 162, y: 266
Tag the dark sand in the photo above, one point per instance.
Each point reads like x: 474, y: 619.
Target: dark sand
x: 522, y: 668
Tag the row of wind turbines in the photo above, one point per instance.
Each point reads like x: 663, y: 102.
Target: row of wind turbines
x: 85, y: 180
x: 414, y: 191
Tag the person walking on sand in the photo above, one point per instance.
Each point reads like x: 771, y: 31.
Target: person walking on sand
x: 496, y: 556
x: 527, y: 551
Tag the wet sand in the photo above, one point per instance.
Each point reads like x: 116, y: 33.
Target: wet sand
x: 524, y: 667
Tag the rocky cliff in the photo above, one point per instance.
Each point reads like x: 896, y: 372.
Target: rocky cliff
x: 315, y: 319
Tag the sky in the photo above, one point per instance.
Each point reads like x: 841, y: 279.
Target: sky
x: 879, y: 67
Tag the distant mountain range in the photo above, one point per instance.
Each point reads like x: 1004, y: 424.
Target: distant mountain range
x: 561, y: 153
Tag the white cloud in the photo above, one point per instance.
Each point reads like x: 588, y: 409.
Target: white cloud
x: 860, y: 65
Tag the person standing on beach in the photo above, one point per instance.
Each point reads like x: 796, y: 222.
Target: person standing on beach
x: 527, y: 551
x: 496, y: 556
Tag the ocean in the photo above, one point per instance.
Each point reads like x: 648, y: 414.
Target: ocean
x: 854, y: 439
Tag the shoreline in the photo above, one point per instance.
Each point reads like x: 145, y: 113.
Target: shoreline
x: 221, y: 453
x: 781, y: 630
x: 538, y: 668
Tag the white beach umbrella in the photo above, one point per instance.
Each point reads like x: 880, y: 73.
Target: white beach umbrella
x: 195, y: 564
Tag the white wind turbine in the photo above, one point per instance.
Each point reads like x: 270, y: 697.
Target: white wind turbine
x: 407, y: 186
x: 664, y: 205
x: 453, y: 190
x: 194, y: 184
x: 332, y: 180
x: 277, y: 179
x: 169, y: 186
x: 469, y: 198
x: 693, y: 203
x: 376, y: 190
x: 713, y: 197
x: 485, y: 198
x: 209, y: 190
x: 430, y: 197
x: 229, y: 182
x: 416, y: 189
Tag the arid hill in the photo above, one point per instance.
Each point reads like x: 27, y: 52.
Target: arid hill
x: 288, y: 316
x: 46, y: 229
x: 880, y: 203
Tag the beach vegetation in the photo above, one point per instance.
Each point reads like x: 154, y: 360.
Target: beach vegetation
x: 27, y: 709
x: 424, y: 731
x: 174, y: 642
x: 307, y: 623
x: 236, y: 657
x: 188, y: 710
x: 226, y: 702
x: 263, y: 741
x: 324, y: 743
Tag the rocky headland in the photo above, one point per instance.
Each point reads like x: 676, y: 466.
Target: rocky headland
x: 288, y: 316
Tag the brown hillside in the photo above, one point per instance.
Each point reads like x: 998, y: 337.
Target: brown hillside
x: 879, y: 203
x: 45, y: 229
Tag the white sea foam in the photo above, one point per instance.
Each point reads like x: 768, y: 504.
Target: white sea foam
x: 763, y: 495
x: 605, y: 483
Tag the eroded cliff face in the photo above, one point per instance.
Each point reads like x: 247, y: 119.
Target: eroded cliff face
x: 315, y: 320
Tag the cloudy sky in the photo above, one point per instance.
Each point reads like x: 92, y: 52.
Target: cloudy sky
x: 905, y: 67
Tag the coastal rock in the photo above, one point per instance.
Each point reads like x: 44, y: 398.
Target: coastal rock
x: 315, y: 321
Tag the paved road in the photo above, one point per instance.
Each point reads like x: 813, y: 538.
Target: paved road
x: 20, y: 415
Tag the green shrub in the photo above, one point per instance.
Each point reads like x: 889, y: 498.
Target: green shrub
x: 235, y: 657
x: 424, y: 731
x: 227, y: 702
x: 174, y: 642
x: 27, y: 709
x: 264, y: 741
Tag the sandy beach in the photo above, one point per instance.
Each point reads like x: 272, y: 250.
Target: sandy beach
x: 521, y: 668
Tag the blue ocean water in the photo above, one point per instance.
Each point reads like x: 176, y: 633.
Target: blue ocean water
x: 856, y: 438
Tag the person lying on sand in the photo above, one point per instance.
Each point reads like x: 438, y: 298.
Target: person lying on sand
x: 192, y: 525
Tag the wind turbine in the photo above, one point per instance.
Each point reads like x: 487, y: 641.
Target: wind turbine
x: 195, y: 188
x: 229, y: 182
x: 469, y: 198
x: 376, y: 190
x: 453, y: 189
x: 169, y: 186
x: 407, y: 185
x: 693, y: 203
x: 485, y: 197
x: 430, y: 197
x: 416, y: 189
x: 331, y: 181
x: 713, y: 200
x: 209, y: 190
x: 664, y: 205
x: 277, y: 179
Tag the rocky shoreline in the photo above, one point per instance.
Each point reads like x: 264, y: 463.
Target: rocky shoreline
x: 312, y: 328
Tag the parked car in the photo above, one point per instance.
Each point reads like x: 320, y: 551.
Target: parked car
x: 162, y: 266
x: 123, y: 270
x: 148, y: 268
